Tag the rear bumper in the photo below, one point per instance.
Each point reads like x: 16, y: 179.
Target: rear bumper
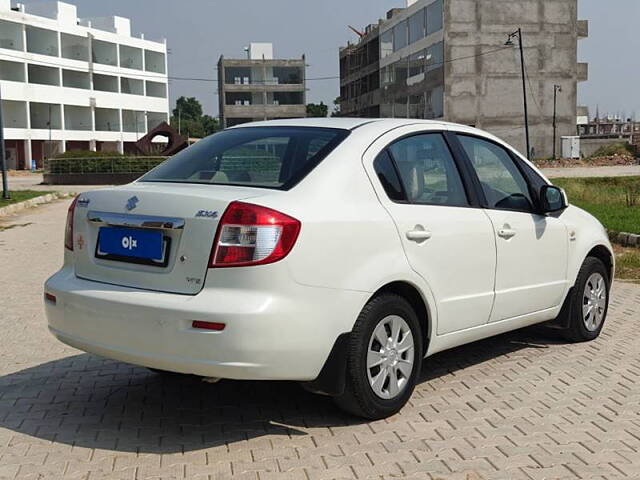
x: 271, y: 334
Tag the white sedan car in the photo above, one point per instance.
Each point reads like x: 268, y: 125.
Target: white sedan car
x: 334, y: 252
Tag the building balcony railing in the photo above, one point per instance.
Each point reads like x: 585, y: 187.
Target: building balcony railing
x: 263, y: 110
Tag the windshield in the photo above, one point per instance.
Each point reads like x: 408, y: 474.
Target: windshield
x: 267, y: 157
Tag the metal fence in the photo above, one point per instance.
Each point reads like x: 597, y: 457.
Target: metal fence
x: 101, y: 165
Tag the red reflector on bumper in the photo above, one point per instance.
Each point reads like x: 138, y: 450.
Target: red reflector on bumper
x: 50, y: 298
x: 218, y: 327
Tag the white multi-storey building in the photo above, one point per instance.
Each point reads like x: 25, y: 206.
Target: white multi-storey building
x: 76, y: 84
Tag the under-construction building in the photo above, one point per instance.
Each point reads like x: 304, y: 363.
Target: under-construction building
x: 448, y: 59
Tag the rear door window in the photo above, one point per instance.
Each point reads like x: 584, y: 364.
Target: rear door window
x: 428, y: 171
x: 267, y: 157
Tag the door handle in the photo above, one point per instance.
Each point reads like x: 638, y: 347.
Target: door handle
x: 506, y: 233
x: 418, y: 236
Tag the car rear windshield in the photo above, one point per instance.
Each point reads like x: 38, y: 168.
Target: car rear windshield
x: 267, y: 157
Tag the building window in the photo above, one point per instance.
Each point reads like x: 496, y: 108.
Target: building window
x: 44, y: 75
x: 287, y: 98
x: 154, y: 119
x: 75, y: 79
x: 435, y: 107
x: 130, y: 57
x: 386, y: 43
x: 434, y: 17
x: 417, y: 63
x: 154, y: 61
x: 435, y: 54
x: 41, y: 41
x: 11, y: 36
x: 156, y: 89
x: 400, y: 73
x: 287, y: 75
x: 107, y: 120
x: 105, y: 83
x: 400, y: 36
x: 11, y: 71
x: 15, y: 114
x: 237, y: 75
x: 77, y: 118
x: 132, y: 86
x: 416, y: 26
x: 75, y: 47
x: 45, y: 116
x: 104, y: 53
x: 133, y: 121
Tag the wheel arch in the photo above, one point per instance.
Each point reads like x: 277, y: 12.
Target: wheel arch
x: 331, y: 380
x: 605, y: 255
x: 412, y: 294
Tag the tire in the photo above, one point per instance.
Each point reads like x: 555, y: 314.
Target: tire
x: 400, y: 360
x: 589, y: 302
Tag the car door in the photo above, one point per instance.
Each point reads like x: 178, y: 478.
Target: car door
x: 447, y: 238
x: 532, y: 249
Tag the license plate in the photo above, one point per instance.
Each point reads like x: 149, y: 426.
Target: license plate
x: 132, y: 243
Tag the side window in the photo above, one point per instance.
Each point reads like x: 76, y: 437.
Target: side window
x: 503, y: 185
x: 388, y: 177
x: 428, y: 171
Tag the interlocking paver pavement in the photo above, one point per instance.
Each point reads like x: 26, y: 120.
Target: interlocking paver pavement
x: 519, y: 406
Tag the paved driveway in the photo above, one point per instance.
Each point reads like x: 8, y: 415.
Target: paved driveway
x: 521, y: 405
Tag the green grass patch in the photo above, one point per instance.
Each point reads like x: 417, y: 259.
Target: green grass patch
x: 614, y: 201
x: 628, y: 264
x: 21, y: 196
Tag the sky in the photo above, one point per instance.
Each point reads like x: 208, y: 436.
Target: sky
x: 199, y: 31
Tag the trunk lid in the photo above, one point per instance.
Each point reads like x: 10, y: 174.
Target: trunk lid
x: 187, y: 216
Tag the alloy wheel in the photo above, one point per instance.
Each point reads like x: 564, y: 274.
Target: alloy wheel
x: 390, y: 357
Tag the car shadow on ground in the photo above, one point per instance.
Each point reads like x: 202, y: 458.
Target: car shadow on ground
x: 90, y: 402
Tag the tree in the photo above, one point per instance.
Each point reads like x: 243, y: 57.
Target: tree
x: 315, y: 110
x: 210, y: 125
x: 189, y: 121
x: 188, y: 109
x: 336, y: 107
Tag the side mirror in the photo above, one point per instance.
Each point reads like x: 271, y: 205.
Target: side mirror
x: 553, y: 199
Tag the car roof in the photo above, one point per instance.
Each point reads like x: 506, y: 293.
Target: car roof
x: 344, y: 123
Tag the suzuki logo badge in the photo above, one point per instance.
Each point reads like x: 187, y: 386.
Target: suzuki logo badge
x: 132, y: 203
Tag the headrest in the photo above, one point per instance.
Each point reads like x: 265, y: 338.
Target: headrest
x: 413, y: 179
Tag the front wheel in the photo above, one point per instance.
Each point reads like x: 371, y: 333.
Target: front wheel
x: 590, y: 302
x: 384, y: 358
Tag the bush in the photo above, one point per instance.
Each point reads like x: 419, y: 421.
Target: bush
x: 615, y: 149
x: 88, y: 154
x: 102, y: 164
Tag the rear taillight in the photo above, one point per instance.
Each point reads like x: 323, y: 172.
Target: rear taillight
x: 253, y: 235
x: 68, y: 232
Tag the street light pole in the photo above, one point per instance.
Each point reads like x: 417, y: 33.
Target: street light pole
x: 518, y: 33
x: 556, y: 89
x: 3, y: 158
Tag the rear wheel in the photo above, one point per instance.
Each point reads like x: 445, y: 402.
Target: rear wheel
x: 590, y: 302
x: 384, y: 358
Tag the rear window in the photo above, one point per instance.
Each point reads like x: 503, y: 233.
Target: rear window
x: 267, y: 157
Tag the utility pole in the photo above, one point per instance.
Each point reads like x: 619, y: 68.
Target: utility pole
x: 518, y: 33
x: 3, y: 158
x: 556, y: 89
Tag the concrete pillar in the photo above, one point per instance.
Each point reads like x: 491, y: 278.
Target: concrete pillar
x: 27, y: 153
x: 121, y: 147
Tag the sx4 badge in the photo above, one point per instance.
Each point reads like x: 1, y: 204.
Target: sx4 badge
x: 207, y: 214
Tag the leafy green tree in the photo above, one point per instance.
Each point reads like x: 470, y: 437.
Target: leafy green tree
x: 188, y: 109
x: 210, y: 125
x: 317, y: 110
x: 189, y: 120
